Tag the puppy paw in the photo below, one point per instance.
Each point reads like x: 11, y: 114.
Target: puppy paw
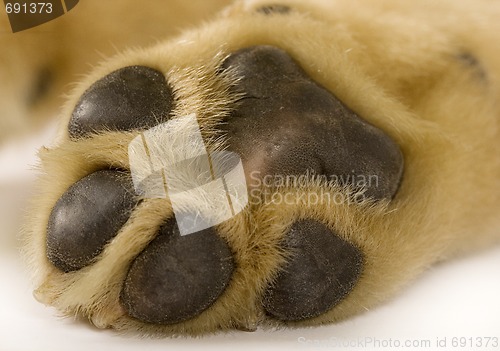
x: 335, y: 201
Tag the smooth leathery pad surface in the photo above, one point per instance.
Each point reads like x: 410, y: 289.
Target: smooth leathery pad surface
x: 86, y: 217
x: 322, y: 270
x: 177, y: 277
x: 134, y: 97
x: 296, y: 126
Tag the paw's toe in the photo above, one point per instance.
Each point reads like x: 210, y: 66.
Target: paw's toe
x: 134, y: 97
x: 177, y: 277
x: 322, y: 270
x: 86, y: 217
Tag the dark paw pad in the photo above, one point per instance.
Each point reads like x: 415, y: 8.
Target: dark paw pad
x: 177, y: 277
x: 88, y: 215
x: 286, y: 124
x: 274, y: 9
x: 322, y: 270
x: 134, y: 97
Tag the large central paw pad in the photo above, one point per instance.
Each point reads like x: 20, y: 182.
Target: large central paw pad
x: 294, y: 125
x: 284, y: 124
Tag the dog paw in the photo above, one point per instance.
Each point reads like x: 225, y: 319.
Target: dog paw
x: 119, y: 257
x: 246, y: 175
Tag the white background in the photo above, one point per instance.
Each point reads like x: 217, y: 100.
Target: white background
x: 460, y: 298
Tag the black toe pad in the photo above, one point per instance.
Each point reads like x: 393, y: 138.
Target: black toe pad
x: 86, y: 217
x: 286, y: 124
x: 322, y: 270
x: 134, y: 97
x: 177, y: 277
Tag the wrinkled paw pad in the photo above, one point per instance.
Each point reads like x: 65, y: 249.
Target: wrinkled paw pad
x: 284, y: 124
x: 135, y: 97
x: 287, y: 124
x: 321, y: 271
x: 88, y: 215
x: 177, y: 277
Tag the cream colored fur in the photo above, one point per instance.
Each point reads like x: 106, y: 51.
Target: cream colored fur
x: 399, y: 65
